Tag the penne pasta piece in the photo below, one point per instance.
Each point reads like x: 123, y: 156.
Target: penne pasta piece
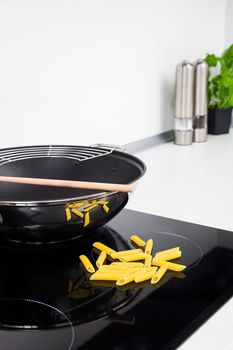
x: 171, y: 266
x: 76, y: 205
x: 113, y: 268
x: 134, y: 264
x: 168, y: 256
x: 159, y: 274
x: 101, y: 259
x: 126, y: 270
x: 133, y: 257
x: 77, y: 213
x: 68, y: 214
x: 86, y: 219
x: 102, y: 202
x: 125, y: 279
x: 148, y: 260
x: 121, y: 258
x: 130, y: 277
x: 168, y: 251
x: 116, y: 255
x: 145, y: 269
x: 87, y: 264
x: 90, y: 207
x: 107, y: 276
x: 104, y: 248
x: 137, y: 240
x: 150, y: 268
x: 144, y: 276
x: 149, y: 246
x: 105, y: 208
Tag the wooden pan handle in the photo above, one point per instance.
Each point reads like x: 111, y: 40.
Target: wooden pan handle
x: 67, y: 183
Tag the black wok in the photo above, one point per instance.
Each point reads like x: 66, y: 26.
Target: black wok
x: 38, y: 214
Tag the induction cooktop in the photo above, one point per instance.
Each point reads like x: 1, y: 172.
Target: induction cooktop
x: 47, y: 301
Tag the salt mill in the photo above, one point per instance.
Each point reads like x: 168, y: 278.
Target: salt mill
x: 183, y: 128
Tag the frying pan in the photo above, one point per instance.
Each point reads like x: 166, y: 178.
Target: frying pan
x: 38, y: 214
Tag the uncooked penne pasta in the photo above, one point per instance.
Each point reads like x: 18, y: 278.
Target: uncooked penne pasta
x: 149, y: 246
x: 105, y: 208
x: 144, y: 276
x: 68, y: 214
x: 134, y: 264
x: 90, y: 207
x: 148, y: 260
x: 101, y: 259
x: 150, y: 268
x: 144, y: 269
x: 126, y: 270
x: 104, y: 248
x: 127, y: 278
x: 168, y: 256
x: 116, y: 255
x: 159, y: 274
x: 107, y: 276
x: 137, y: 240
x: 77, y: 213
x: 121, y: 258
x: 115, y: 268
x: 76, y: 205
x: 133, y: 257
x: 87, y: 264
x: 86, y: 219
x: 168, y: 251
x: 171, y: 266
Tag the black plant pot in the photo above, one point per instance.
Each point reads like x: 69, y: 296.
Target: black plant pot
x: 219, y: 120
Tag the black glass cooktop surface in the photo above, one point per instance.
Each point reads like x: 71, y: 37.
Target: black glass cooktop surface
x: 48, y: 302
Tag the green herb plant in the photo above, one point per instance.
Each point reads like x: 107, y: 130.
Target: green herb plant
x: 220, y: 84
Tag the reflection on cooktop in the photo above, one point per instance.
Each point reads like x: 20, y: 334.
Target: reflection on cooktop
x: 56, y: 277
x: 47, y: 301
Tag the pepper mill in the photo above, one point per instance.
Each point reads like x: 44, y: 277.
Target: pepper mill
x: 200, y: 104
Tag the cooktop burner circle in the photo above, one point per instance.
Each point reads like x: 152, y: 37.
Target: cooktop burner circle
x: 191, y: 251
x: 30, y: 323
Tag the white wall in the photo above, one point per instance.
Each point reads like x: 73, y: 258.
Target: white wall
x: 84, y: 71
x: 229, y: 23
x: 229, y: 31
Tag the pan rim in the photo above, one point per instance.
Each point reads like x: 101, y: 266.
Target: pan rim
x: 55, y: 201
x: 70, y: 199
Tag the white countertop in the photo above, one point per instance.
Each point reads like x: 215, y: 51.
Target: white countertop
x: 194, y: 184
